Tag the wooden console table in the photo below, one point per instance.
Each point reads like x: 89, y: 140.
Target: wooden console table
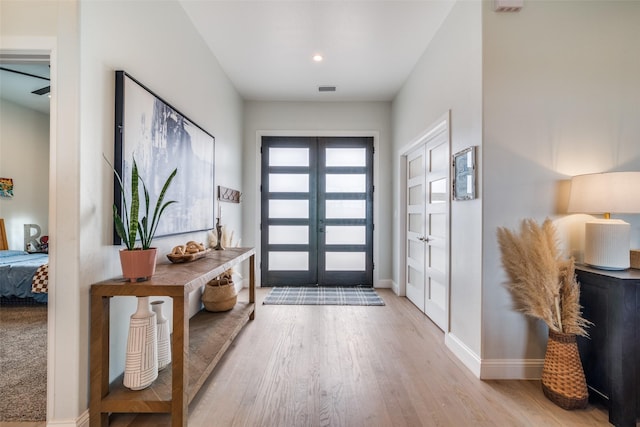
x: 197, y: 345
x: 611, y: 356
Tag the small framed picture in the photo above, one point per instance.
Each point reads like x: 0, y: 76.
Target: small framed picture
x: 6, y: 187
x: 464, y: 174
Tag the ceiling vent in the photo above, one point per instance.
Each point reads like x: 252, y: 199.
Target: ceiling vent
x: 507, y: 5
x: 326, y: 88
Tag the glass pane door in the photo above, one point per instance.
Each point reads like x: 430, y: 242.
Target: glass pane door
x: 317, y: 211
x: 345, y: 211
x: 289, y: 240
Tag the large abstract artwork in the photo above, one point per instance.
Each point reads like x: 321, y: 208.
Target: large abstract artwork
x: 160, y: 139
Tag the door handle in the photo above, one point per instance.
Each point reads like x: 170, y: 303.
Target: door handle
x: 424, y: 239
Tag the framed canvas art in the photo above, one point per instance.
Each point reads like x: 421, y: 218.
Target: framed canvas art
x: 160, y: 138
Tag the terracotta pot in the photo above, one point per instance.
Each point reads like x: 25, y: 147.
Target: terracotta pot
x: 138, y: 263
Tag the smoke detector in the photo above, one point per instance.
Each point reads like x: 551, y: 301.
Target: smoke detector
x: 507, y: 5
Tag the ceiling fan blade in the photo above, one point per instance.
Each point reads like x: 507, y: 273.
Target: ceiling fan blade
x: 42, y: 91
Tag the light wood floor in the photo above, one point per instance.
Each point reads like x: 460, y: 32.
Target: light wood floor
x: 358, y: 366
x: 308, y: 366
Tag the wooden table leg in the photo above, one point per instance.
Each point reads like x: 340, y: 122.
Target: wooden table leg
x: 252, y: 284
x: 99, y: 369
x: 180, y: 363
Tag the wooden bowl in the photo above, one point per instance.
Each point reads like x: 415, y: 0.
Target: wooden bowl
x: 176, y: 259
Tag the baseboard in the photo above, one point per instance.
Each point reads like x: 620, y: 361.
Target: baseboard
x: 81, y: 421
x: 240, y: 284
x: 384, y: 284
x: 511, y: 369
x: 494, y: 369
x: 396, y: 289
x: 463, y: 353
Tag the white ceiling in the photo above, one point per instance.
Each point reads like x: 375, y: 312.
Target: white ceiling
x: 17, y: 88
x: 266, y: 47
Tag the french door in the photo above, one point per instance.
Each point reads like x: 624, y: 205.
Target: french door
x: 428, y: 227
x: 317, y: 211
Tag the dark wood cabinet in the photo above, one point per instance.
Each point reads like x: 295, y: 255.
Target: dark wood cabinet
x: 611, y: 356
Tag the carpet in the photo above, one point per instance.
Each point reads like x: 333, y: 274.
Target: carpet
x: 305, y: 295
x: 23, y: 363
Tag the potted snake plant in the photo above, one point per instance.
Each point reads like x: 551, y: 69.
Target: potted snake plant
x: 139, y: 262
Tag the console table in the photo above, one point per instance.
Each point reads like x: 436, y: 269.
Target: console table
x: 611, y: 357
x: 198, y: 343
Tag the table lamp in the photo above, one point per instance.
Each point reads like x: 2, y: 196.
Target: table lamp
x: 607, y: 241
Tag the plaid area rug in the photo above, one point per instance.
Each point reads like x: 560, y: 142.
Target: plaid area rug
x: 301, y: 295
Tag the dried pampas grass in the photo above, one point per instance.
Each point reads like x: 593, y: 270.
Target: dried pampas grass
x: 572, y: 320
x: 541, y: 283
x: 226, y: 239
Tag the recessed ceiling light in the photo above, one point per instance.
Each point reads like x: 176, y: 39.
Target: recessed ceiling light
x: 317, y: 57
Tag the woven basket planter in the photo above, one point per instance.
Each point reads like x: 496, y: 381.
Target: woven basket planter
x: 563, y: 380
x: 219, y: 295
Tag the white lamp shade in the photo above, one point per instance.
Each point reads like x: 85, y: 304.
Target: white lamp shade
x: 613, y: 192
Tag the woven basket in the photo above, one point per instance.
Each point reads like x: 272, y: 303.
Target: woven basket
x: 563, y: 380
x: 219, y: 295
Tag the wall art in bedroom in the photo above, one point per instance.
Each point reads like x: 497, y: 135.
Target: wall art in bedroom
x: 6, y: 187
x: 160, y: 138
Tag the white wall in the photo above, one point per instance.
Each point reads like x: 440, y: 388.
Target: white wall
x: 24, y: 156
x: 177, y: 65
x: 546, y: 93
x: 179, y: 68
x: 320, y: 119
x: 448, y: 77
x: 561, y: 98
x: 51, y: 27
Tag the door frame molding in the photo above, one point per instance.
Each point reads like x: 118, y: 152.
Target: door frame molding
x: 320, y: 133
x: 47, y: 46
x: 442, y: 124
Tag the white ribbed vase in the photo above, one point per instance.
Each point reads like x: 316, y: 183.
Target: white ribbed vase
x: 164, y: 342
x: 141, y: 364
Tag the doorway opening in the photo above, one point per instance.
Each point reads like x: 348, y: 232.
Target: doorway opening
x: 25, y: 144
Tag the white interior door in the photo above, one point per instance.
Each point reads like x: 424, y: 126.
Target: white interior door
x: 436, y: 241
x: 428, y: 204
x: 416, y: 227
